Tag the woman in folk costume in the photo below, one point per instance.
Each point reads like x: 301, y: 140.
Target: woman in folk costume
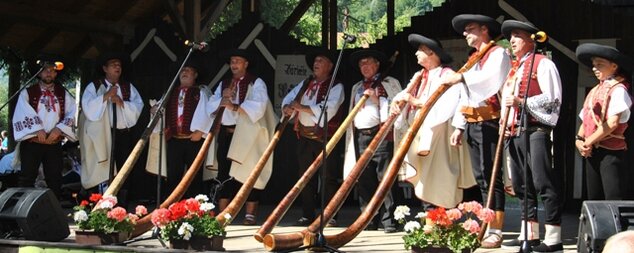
x: 43, y: 116
x: 437, y: 170
x: 186, y: 121
x: 247, y: 126
x: 100, y: 99
x: 604, y: 116
x: 366, y: 124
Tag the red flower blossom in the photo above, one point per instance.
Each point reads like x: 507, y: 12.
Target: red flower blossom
x: 178, y: 210
x: 117, y: 213
x: 192, y: 205
x: 84, y: 203
x: 95, y: 197
x: 439, y: 216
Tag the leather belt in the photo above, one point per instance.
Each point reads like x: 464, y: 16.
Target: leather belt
x: 35, y: 140
x: 479, y: 114
x: 229, y: 129
x: 123, y: 130
x: 182, y: 136
x: 367, y: 131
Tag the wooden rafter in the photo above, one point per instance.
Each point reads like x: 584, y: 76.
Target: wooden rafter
x: 177, y: 19
x: 192, y: 12
x: 215, y: 14
x: 10, y: 12
x: 296, y: 15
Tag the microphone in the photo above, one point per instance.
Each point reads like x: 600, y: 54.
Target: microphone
x: 539, y: 37
x: 58, y: 65
x: 349, y: 38
x: 201, y: 46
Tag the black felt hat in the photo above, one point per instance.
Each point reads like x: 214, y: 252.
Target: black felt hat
x: 460, y: 21
x: 586, y: 51
x: 111, y: 55
x: 310, y: 57
x: 237, y: 52
x: 509, y: 25
x: 416, y: 40
x: 365, y: 53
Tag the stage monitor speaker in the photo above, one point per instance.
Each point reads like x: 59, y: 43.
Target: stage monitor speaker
x: 36, y: 212
x: 601, y: 219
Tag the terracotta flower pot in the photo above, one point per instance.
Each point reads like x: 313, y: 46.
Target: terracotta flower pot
x: 435, y: 250
x: 199, y: 243
x: 89, y: 237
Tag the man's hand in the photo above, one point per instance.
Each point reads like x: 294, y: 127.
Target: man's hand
x: 227, y: 93
x: 511, y: 100
x: 227, y: 103
x: 41, y: 136
x: 287, y: 110
x: 371, y: 95
x: 53, y: 136
x: 584, y: 150
x: 400, y: 99
x: 196, y: 136
x: 451, y: 79
x: 118, y: 101
x: 456, y: 137
x: 110, y: 93
x: 298, y: 106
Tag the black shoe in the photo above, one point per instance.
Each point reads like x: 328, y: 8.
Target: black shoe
x: 390, y: 229
x: 302, y: 222
x: 559, y: 247
x: 515, y: 243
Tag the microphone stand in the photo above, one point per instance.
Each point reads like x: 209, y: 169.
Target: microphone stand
x: 320, y: 241
x: 153, y: 120
x: 23, y: 86
x: 526, y: 247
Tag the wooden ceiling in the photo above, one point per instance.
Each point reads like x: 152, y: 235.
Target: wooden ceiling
x: 81, y: 29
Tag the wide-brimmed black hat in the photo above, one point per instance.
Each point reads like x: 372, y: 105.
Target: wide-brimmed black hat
x: 111, y: 55
x: 310, y: 57
x: 195, y: 61
x: 509, y: 25
x: 366, y: 53
x: 45, y: 60
x: 460, y: 21
x: 586, y: 51
x: 237, y: 52
x: 416, y: 40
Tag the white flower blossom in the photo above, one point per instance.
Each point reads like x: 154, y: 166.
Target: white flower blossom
x: 421, y: 215
x: 80, y: 216
x: 401, y: 212
x: 206, y: 207
x: 228, y: 216
x: 106, y: 205
x: 186, y: 230
x: 411, y: 226
x: 202, y: 198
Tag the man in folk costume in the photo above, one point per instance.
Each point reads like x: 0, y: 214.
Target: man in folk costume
x: 43, y: 116
x: 480, y: 107
x: 186, y: 121
x: 606, y: 110
x: 366, y: 124
x: 437, y: 170
x: 247, y: 125
x: 107, y: 103
x: 309, y: 127
x: 542, y: 101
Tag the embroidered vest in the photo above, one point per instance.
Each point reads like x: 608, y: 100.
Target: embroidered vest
x: 534, y: 88
x: 242, y: 85
x: 35, y: 93
x: 595, y: 109
x: 125, y: 88
x: 192, y: 96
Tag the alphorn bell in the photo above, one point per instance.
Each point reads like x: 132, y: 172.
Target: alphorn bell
x: 273, y: 244
x: 274, y: 218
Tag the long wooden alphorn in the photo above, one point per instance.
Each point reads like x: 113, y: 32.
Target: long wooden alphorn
x: 238, y: 201
x: 290, y: 241
x: 274, y: 218
x: 144, y: 224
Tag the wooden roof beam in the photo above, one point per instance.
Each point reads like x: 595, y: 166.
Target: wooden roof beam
x: 213, y: 17
x: 191, y: 14
x: 61, y: 20
x: 296, y: 15
x: 177, y: 19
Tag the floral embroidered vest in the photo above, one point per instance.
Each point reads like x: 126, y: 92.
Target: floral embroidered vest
x: 595, y: 109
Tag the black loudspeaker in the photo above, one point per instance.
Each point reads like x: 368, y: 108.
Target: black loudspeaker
x: 601, y: 219
x: 36, y: 212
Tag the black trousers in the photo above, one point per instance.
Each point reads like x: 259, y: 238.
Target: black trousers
x: 180, y: 155
x: 373, y: 173
x: 542, y: 179
x: 482, y: 139
x: 50, y: 156
x: 607, y: 176
x: 231, y: 187
x: 307, y: 151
